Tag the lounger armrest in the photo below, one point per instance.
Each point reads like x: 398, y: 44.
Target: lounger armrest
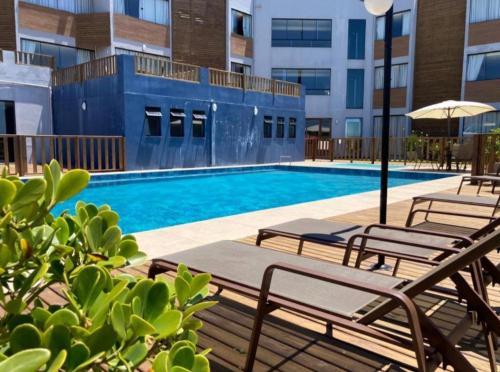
x: 367, y: 237
x: 412, y: 215
x: 464, y: 239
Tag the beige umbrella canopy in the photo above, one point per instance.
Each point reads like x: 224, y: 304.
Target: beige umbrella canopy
x: 449, y: 110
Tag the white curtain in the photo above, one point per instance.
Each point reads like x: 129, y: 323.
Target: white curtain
x: 399, y: 74
x: 353, y: 128
x: 484, y: 10
x: 84, y: 6
x: 29, y: 46
x: 397, y: 126
x: 119, y: 6
x: 494, y: 9
x: 406, y: 23
x: 155, y: 11
x: 474, y: 65
x: 380, y: 28
x: 247, y: 26
x: 161, y: 12
x: 379, y: 78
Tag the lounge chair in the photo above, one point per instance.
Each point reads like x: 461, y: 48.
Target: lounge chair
x: 416, y: 244
x: 338, y: 295
x: 476, y: 201
x: 493, y: 178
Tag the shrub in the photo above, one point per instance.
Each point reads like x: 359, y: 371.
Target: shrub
x: 107, y: 318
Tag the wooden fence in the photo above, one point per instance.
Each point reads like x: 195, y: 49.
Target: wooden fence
x: 235, y: 80
x: 86, y: 71
x: 26, y: 154
x: 167, y: 69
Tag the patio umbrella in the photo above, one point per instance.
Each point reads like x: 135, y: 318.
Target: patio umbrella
x: 449, y: 110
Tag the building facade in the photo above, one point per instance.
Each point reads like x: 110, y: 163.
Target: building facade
x: 442, y: 49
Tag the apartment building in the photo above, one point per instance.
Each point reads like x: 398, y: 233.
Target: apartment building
x: 442, y: 49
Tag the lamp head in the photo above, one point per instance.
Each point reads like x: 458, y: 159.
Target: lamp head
x: 378, y: 7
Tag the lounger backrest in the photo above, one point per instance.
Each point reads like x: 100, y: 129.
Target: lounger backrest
x: 454, y: 264
x: 486, y: 229
x: 444, y: 270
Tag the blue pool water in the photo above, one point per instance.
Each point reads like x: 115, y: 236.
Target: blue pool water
x: 148, y: 201
x: 365, y: 166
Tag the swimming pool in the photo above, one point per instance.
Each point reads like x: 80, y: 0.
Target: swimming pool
x: 150, y: 200
x: 365, y: 166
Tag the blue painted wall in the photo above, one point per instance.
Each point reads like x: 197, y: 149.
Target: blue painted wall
x: 115, y: 105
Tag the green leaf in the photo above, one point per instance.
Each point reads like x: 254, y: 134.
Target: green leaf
x: 111, y: 218
x: 111, y: 237
x: 15, y: 306
x: 71, y: 184
x: 120, y: 315
x: 94, y: 233
x: 128, y: 248
x: 199, y: 282
x: 156, y: 301
x: 62, y: 230
x: 29, y: 193
x: 199, y: 307
x: 140, y: 289
x: 141, y: 327
x: 78, y: 354
x: 58, y: 362
x: 7, y: 192
x: 160, y: 362
x: 182, y: 290
x: 136, y: 353
x: 201, y: 364
x: 25, y: 336
x: 62, y: 317
x: 57, y: 338
x: 40, y: 316
x: 49, y: 190
x: 55, y: 171
x: 168, y: 323
x: 183, y: 357
x: 26, y: 361
x: 102, y: 339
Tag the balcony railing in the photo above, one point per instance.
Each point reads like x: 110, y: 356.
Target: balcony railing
x: 25, y: 58
x: 254, y: 83
x: 27, y: 154
x: 94, y: 69
x: 166, y: 69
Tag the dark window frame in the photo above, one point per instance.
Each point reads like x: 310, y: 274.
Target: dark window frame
x: 358, y: 52
x: 173, y: 126
x: 195, y: 126
x: 309, y: 91
x: 482, y: 68
x: 292, y: 128
x: 268, y: 126
x: 153, y: 122
x: 356, y: 103
x: 246, y: 69
x: 302, y: 41
x: 236, y: 31
x: 394, y: 31
x: 280, y: 127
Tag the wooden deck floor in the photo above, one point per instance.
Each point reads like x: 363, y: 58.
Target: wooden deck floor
x: 291, y: 342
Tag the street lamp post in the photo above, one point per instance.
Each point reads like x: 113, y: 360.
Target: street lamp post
x: 378, y: 8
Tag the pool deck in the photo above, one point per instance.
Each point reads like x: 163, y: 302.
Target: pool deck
x: 172, y: 239
x: 291, y: 342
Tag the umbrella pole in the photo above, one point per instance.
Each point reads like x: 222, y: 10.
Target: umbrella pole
x: 384, y: 174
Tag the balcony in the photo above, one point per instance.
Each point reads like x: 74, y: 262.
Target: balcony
x: 75, y: 6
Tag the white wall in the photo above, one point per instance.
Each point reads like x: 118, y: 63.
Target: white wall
x: 28, y: 87
x: 335, y: 58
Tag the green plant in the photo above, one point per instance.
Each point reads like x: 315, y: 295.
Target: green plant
x: 116, y: 320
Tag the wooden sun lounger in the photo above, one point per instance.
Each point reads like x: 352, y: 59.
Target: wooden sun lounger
x: 494, y: 180
x: 336, y: 294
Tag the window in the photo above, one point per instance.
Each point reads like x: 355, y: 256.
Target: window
x: 302, y: 33
x: 64, y: 56
x: 484, y: 123
x: 356, y: 42
x: 355, y: 88
x: 241, y: 23
x: 484, y: 10
x: 74, y: 6
x: 268, y: 126
x: 155, y: 11
x: 400, y: 25
x: 153, y: 121
x: 321, y: 127
x: 483, y: 66
x: 292, y: 128
x: 353, y: 127
x: 317, y: 82
x: 399, y: 75
x: 280, y: 128
x: 199, y: 120
x: 397, y: 127
x: 129, y: 52
x: 7, y: 126
x: 240, y: 68
x: 177, y: 123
